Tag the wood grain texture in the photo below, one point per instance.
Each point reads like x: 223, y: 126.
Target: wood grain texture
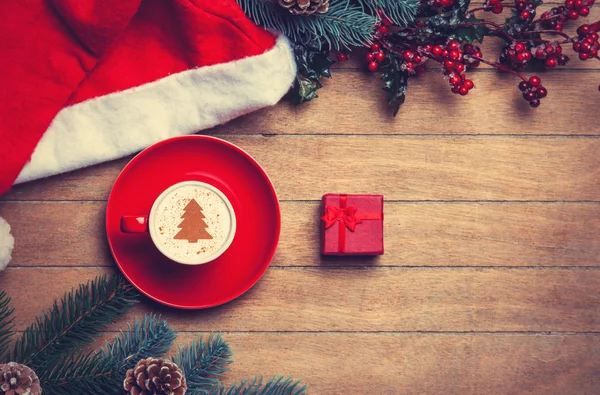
x: 362, y: 300
x: 416, y: 234
x: 400, y: 364
x: 400, y: 168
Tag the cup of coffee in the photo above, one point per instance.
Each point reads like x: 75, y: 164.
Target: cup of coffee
x: 190, y: 222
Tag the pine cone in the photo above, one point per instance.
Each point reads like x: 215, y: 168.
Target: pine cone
x: 305, y: 7
x: 155, y: 376
x: 17, y: 379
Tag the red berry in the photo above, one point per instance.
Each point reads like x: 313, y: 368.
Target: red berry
x: 521, y: 57
x: 448, y: 64
x: 527, y: 56
x: 578, y: 4
x: 520, y: 47
x: 375, y: 47
x: 468, y: 49
x: 549, y: 49
x: 551, y: 63
x: 474, y: 64
x: 437, y: 50
x: 569, y: 3
x: 370, y: 56
x: 452, y: 45
x: 558, y: 49
x: 342, y: 57
x: 446, y: 3
x: 454, y: 80
x: 541, y: 92
x: 428, y: 47
x: 529, y: 96
x: 573, y: 14
x: 585, y: 47
x: 455, y: 89
x: 420, y: 24
x: 576, y: 46
x: 558, y: 27
x: 584, y: 11
x: 460, y: 67
x: 454, y: 55
x: 534, y: 80
x: 387, y: 22
x: 410, y: 66
x: 583, y: 56
x: 534, y: 103
x: 384, y: 30
x: 596, y: 26
x: 594, y: 36
x: 408, y: 55
x: 524, y: 15
x: 373, y: 66
x: 463, y: 90
x: 417, y: 59
x: 379, y: 56
x: 468, y: 84
x: 477, y: 54
x: 540, y: 54
x: 445, y: 53
x: 562, y: 60
x: 498, y: 9
x: 523, y: 86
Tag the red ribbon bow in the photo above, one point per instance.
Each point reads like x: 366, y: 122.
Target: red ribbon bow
x: 347, y: 215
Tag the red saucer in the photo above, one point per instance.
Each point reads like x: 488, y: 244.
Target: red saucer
x: 239, y: 177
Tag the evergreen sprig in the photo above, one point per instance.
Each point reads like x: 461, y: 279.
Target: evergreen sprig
x: 400, y: 12
x: 150, y: 337
x: 275, y: 386
x: 79, y: 373
x: 202, y: 362
x: 74, y: 321
x: 344, y: 25
x: 6, y: 323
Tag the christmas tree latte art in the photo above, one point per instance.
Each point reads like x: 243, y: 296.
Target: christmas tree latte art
x: 193, y: 223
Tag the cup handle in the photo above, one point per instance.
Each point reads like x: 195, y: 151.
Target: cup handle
x: 133, y: 224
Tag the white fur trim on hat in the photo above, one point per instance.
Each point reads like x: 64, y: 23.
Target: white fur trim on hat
x: 7, y: 243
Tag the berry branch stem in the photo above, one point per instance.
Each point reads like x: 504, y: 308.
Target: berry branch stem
x: 500, y: 67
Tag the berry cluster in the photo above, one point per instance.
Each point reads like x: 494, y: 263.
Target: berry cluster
x: 413, y: 61
x: 577, y: 8
x: 494, y: 6
x: 573, y: 9
x: 374, y: 57
x: 516, y: 55
x: 452, y: 57
x: 525, y: 9
x: 550, y: 53
x: 439, y: 3
x: 586, y: 44
x: 533, y: 91
x: 472, y: 54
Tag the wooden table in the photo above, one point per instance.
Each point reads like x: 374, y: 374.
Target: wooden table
x: 490, y: 282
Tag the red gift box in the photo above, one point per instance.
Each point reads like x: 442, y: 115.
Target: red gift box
x: 352, y: 224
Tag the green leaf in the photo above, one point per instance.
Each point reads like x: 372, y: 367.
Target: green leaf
x: 275, y: 386
x: 470, y: 33
x: 150, y: 337
x: 73, y: 322
x: 6, y: 323
x: 201, y: 362
x: 79, y: 373
x: 396, y: 83
x: 304, y: 89
x: 311, y: 62
x: 449, y: 19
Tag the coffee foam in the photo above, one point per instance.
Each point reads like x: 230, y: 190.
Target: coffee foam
x: 168, y: 223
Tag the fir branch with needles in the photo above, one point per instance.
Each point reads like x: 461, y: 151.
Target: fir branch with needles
x: 6, y: 323
x: 80, y: 373
x: 275, y: 386
x: 344, y: 25
x: 399, y: 12
x: 203, y: 362
x: 149, y: 337
x: 74, y: 321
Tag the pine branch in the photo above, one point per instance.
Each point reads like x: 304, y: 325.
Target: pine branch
x: 74, y: 322
x: 400, y: 12
x: 150, y: 337
x: 343, y: 26
x: 275, y: 386
x: 202, y: 361
x: 6, y: 323
x: 79, y: 373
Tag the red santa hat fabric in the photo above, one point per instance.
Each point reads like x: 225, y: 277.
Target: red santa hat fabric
x: 87, y: 81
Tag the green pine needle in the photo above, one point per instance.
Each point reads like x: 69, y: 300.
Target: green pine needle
x: 400, y: 12
x: 275, y: 386
x: 79, y: 373
x: 74, y: 321
x: 342, y: 26
x: 202, y: 361
x: 150, y: 337
x: 6, y: 323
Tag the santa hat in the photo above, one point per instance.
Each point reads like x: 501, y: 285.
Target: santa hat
x: 87, y: 81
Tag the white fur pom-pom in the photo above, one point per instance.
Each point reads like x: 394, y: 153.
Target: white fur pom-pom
x: 7, y: 243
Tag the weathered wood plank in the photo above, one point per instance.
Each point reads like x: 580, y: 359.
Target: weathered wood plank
x: 416, y: 234
x: 399, y: 167
x: 362, y: 300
